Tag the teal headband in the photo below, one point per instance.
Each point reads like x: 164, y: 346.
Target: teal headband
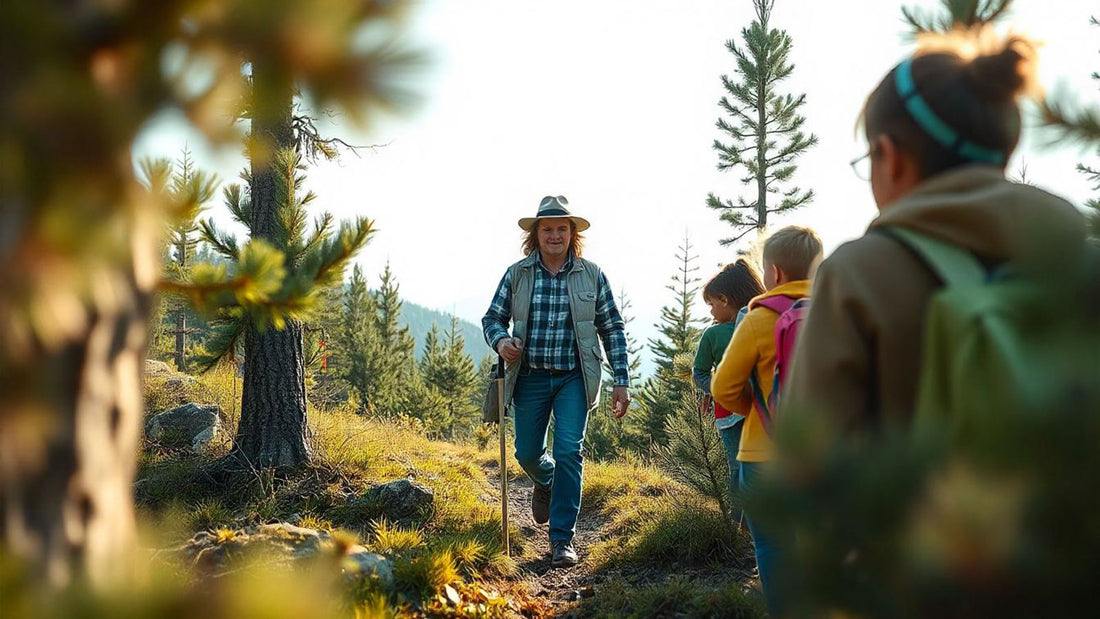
x: 934, y: 126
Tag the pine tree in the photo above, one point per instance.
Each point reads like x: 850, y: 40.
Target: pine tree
x: 449, y: 371
x: 183, y: 239
x: 680, y: 332
x: 608, y: 438
x: 679, y: 329
x: 360, y: 343
x: 1086, y: 125
x: 764, y: 128
x: 694, y: 454
x: 272, y: 430
x: 95, y: 81
x: 327, y: 348
x: 398, y: 344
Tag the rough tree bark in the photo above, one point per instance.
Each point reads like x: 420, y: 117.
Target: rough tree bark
x: 67, y: 457
x: 272, y: 430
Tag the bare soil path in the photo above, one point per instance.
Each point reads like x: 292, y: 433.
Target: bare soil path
x: 564, y: 588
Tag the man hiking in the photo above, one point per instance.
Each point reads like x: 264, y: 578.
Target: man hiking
x: 561, y: 308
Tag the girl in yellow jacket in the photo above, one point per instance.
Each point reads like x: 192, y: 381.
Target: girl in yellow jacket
x: 790, y: 257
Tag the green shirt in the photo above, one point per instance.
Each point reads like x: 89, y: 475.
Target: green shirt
x: 712, y: 346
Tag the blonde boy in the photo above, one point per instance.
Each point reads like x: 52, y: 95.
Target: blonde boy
x: 790, y: 257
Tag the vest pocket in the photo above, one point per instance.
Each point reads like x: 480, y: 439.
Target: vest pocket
x: 584, y: 305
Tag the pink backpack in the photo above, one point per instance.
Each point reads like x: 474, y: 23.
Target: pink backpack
x: 791, y: 312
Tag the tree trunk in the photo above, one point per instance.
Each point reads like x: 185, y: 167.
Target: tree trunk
x: 761, y: 152
x: 181, y: 337
x: 69, y: 436
x: 272, y: 430
x: 181, y: 312
x: 761, y: 119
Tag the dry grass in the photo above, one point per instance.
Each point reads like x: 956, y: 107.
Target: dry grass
x: 654, y: 519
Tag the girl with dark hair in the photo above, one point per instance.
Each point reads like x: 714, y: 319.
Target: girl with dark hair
x: 941, y: 127
x: 728, y: 294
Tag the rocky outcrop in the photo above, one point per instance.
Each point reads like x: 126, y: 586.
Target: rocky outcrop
x: 191, y: 424
x: 398, y: 500
x: 217, y: 552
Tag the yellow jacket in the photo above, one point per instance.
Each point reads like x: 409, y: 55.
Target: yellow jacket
x: 752, y: 347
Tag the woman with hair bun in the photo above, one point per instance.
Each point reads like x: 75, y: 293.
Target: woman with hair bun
x: 940, y: 127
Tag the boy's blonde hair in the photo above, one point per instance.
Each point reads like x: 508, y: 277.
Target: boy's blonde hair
x: 794, y: 250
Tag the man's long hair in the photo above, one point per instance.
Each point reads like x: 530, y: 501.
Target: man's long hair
x: 576, y: 240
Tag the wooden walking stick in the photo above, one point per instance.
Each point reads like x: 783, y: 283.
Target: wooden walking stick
x: 503, y: 464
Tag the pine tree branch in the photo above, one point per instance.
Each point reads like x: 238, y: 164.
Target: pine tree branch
x: 223, y: 244
x: 1077, y: 125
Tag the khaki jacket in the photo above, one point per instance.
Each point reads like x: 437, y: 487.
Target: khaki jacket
x: 859, y: 353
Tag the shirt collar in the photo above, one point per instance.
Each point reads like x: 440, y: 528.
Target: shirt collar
x: 565, y: 268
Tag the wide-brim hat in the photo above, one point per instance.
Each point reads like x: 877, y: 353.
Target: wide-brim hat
x: 553, y: 207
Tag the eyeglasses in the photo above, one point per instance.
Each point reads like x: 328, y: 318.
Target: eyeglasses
x: 862, y: 165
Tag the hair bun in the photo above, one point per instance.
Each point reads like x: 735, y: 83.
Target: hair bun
x: 1002, y: 76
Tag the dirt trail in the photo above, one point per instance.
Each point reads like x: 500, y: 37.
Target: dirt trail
x: 556, y: 585
x: 562, y: 588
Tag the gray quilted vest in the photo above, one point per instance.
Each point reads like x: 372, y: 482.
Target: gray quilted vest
x: 582, y: 284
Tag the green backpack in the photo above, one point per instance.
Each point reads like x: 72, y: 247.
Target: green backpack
x: 1000, y: 347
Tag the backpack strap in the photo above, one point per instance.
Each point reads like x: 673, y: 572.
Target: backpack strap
x: 778, y: 304
x: 953, y: 265
x: 761, y: 402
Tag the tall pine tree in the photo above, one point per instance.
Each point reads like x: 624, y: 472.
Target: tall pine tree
x: 360, y: 345
x: 398, y: 344
x: 187, y: 190
x: 763, y: 131
x: 272, y: 430
x: 183, y: 239
x: 679, y: 334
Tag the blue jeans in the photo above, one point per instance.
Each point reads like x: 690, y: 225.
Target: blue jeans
x: 731, y: 439
x: 768, y: 552
x: 536, y: 394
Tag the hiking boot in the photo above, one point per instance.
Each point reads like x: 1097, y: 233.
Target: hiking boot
x: 540, y: 504
x: 564, y: 555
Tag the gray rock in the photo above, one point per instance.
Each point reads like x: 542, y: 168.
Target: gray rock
x: 361, y: 562
x: 288, y: 543
x: 157, y: 368
x: 179, y: 382
x: 191, y: 424
x: 401, y: 499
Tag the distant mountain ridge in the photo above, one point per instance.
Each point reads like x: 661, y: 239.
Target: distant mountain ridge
x: 420, y: 319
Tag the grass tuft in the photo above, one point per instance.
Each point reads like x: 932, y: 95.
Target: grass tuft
x: 427, y: 574
x: 208, y: 514
x: 680, y: 597
x: 391, y: 539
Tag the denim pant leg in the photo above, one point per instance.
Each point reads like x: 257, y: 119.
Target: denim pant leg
x: 767, y: 551
x: 533, y: 399
x: 570, y: 421
x: 731, y: 439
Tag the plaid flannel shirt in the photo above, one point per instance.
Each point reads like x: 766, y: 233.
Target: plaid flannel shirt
x: 551, y: 343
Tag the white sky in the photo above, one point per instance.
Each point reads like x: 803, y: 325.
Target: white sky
x: 613, y: 104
